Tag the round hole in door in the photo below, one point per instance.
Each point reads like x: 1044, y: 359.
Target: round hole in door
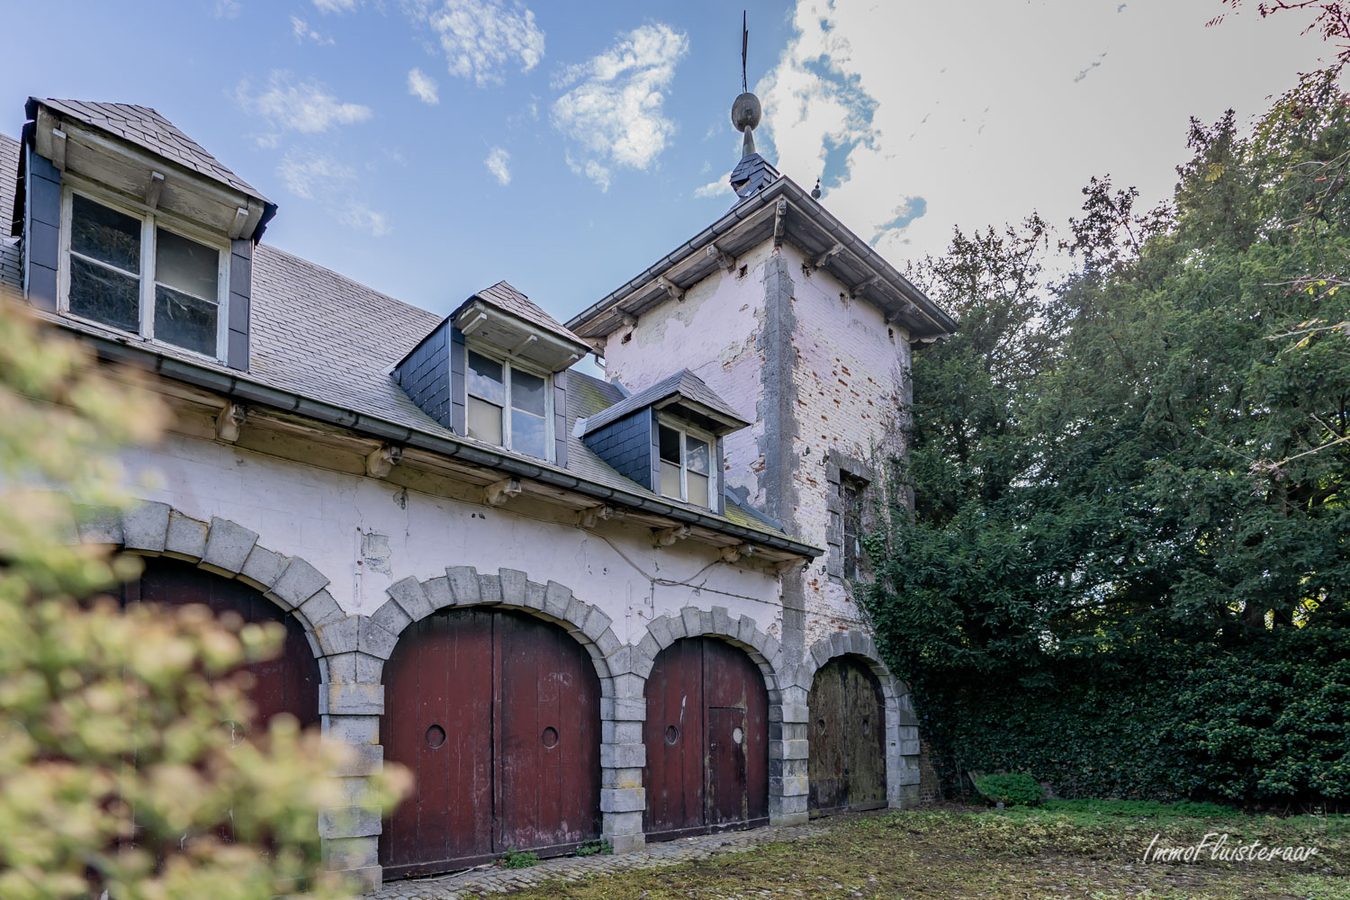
x: 866, y: 725
x: 236, y: 731
x: 820, y: 723
x: 737, y: 736
x: 550, y: 737
x: 672, y: 735
x: 435, y: 737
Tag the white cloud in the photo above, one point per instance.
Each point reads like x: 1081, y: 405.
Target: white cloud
x: 363, y: 218
x: 714, y: 188
x: 302, y: 32
x: 227, y: 9
x: 977, y: 118
x: 306, y: 107
x: 312, y: 175
x: 496, y: 162
x: 613, y: 104
x: 322, y: 178
x: 336, y: 6
x: 423, y: 87
x: 481, y: 37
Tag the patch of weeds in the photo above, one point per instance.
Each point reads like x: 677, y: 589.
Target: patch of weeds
x: 601, y: 847
x: 517, y: 859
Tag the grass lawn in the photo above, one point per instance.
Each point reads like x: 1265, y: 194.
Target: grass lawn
x: 1064, y: 849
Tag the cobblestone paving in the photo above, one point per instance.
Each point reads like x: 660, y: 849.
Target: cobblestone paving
x: 487, y: 880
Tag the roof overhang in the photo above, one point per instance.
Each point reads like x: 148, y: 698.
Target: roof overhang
x: 781, y: 211
x: 514, y: 336
x: 143, y: 177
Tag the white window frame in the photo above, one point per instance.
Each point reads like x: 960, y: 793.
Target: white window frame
x: 714, y: 463
x: 509, y: 364
x: 150, y: 220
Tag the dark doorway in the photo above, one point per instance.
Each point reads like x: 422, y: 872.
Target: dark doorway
x: 707, y: 741
x: 498, y: 716
x: 288, y: 683
x: 847, y: 738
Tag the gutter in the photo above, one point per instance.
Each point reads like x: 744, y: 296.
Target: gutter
x: 744, y: 210
x: 287, y: 401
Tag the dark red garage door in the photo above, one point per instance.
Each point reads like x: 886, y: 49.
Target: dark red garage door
x: 498, y: 716
x: 707, y: 741
x: 847, y: 738
x: 290, y: 682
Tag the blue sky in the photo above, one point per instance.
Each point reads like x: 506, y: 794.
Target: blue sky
x: 429, y: 148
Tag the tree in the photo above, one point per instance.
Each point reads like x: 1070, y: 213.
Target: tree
x: 116, y: 773
x: 1122, y: 524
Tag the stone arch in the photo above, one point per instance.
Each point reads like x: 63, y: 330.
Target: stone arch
x: 230, y: 550
x: 763, y: 649
x: 410, y: 600
x: 902, y: 725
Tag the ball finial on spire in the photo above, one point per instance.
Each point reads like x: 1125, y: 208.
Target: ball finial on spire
x: 745, y: 109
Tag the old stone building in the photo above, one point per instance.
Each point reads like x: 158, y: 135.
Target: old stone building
x: 576, y: 608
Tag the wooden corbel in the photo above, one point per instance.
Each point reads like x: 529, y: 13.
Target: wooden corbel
x: 788, y: 566
x: 152, y: 192
x: 667, y: 536
x: 855, y: 292
x: 59, y: 149
x: 228, y: 421
x: 629, y: 320
x: 736, y: 553
x: 381, y: 461
x: 779, y: 223
x: 499, y: 492
x: 724, y: 259
x: 590, y: 517
x: 825, y: 257
x: 669, y: 287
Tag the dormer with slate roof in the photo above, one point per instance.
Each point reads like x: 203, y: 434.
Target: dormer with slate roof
x: 129, y: 226
x: 668, y: 439
x: 496, y: 370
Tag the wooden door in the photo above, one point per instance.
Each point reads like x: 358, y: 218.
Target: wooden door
x: 288, y: 683
x: 707, y: 741
x: 847, y: 766
x: 497, y: 714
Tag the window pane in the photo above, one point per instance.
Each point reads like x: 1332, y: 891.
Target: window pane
x: 527, y: 393
x: 528, y: 434
x: 185, y: 321
x: 696, y: 455
x: 485, y: 421
x: 105, y: 295
x: 698, y: 489
x: 105, y: 234
x: 485, y: 380
x: 670, y: 480
x: 670, y: 445
x: 186, y: 265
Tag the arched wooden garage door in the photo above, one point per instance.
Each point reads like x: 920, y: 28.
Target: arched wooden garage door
x: 288, y: 683
x: 847, y: 738
x: 707, y: 741
x: 497, y: 714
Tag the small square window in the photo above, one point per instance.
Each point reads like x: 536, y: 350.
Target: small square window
x: 497, y: 385
x: 686, y: 466
x: 128, y: 271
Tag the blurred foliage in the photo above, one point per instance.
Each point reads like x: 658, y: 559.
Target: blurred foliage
x: 1127, y: 568
x: 119, y: 770
x: 1013, y: 789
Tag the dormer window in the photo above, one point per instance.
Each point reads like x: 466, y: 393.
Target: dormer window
x: 138, y: 272
x: 509, y: 405
x: 686, y: 468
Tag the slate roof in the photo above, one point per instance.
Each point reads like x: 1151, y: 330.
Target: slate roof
x: 146, y: 128
x: 9, y: 247
x: 506, y: 297
x: 683, y: 383
x: 325, y: 337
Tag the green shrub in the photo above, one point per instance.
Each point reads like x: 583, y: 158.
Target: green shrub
x: 599, y: 847
x: 1010, y: 790
x: 517, y: 859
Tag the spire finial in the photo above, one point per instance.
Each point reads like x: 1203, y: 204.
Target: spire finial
x: 745, y: 110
